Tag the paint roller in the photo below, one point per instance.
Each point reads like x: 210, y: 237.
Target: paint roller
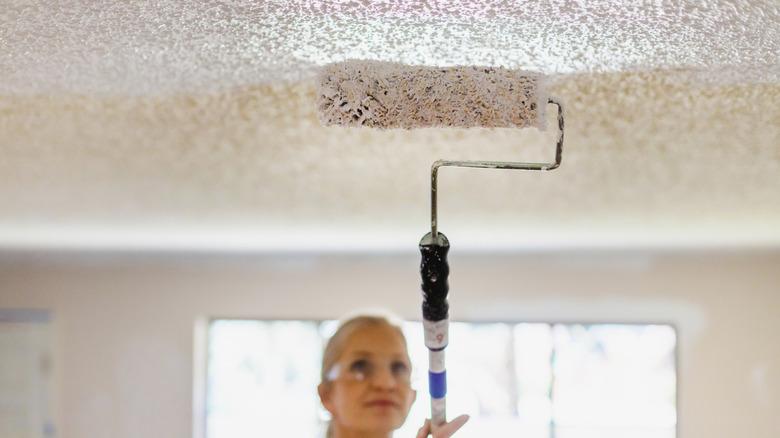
x: 386, y: 95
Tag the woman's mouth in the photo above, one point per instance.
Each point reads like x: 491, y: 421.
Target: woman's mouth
x: 382, y: 403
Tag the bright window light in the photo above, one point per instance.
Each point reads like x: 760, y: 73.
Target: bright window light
x: 26, y: 373
x: 534, y: 380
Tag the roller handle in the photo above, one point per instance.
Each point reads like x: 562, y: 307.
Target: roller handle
x: 434, y: 271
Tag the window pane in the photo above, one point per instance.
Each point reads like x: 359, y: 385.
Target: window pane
x: 481, y: 361
x: 533, y: 366
x: 614, y: 378
x: 26, y: 378
x: 262, y: 378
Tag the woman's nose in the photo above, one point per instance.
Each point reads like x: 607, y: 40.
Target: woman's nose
x: 383, y: 378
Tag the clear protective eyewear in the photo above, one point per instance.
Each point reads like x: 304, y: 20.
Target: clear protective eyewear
x: 363, y: 369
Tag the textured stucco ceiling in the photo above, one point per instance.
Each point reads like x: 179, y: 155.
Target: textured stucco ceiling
x: 175, y: 125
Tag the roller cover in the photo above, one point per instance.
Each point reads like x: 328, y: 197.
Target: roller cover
x: 388, y: 95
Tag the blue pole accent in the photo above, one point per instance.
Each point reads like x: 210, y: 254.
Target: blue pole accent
x: 437, y: 384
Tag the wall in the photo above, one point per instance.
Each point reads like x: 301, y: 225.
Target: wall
x: 126, y: 324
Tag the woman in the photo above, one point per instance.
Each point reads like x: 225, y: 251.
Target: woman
x: 366, y: 381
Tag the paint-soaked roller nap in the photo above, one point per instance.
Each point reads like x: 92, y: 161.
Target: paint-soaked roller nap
x: 386, y: 95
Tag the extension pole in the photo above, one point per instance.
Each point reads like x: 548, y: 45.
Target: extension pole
x: 434, y: 271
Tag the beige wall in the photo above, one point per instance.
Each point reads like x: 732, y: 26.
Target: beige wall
x: 125, y: 324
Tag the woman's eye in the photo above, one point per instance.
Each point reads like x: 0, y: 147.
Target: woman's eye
x: 360, y: 366
x: 400, y: 369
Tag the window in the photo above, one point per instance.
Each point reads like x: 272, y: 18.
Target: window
x: 527, y: 379
x: 26, y: 373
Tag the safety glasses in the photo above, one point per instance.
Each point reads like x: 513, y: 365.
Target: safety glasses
x: 361, y: 369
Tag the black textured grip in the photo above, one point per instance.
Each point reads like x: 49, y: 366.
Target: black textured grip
x: 434, y: 271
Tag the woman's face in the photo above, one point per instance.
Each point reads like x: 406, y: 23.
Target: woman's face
x: 369, y: 389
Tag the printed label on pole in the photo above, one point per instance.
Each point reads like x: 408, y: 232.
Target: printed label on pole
x: 436, y: 333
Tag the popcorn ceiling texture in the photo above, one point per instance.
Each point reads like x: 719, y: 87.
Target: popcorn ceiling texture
x: 188, y: 124
x: 647, y: 160
x: 389, y: 95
